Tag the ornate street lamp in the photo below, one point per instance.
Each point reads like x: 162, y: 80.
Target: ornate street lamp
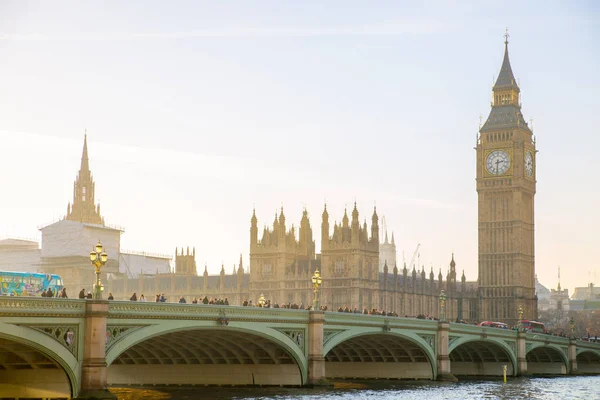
x: 98, y: 257
x: 261, y: 300
x: 572, y: 326
x: 317, y: 281
x: 442, y: 306
x: 520, y: 326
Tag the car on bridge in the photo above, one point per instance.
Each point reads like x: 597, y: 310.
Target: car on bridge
x: 491, y: 324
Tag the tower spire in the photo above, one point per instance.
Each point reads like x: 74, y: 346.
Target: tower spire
x: 85, y: 165
x: 506, y: 78
x: 83, y: 209
x: 506, y: 105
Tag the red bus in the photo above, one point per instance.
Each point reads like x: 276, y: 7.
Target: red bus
x: 533, y: 326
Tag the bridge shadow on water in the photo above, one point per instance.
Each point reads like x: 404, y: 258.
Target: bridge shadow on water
x: 582, y: 387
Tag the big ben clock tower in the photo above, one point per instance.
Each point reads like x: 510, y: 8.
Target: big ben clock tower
x: 506, y: 188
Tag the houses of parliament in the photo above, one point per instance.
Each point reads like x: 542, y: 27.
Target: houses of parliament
x: 358, y: 266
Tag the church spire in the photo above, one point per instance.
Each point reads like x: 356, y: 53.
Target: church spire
x: 83, y: 209
x: 85, y: 166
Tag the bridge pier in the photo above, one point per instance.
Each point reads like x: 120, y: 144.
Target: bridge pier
x: 93, y: 366
x: 521, y: 354
x: 316, y: 360
x: 572, y: 357
x: 443, y: 356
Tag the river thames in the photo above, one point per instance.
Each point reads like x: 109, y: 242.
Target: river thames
x: 563, y: 388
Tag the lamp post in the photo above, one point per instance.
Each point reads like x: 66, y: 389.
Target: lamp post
x: 98, y: 257
x: 520, y: 325
x: 442, y: 306
x: 317, y: 281
x: 261, y: 300
x: 572, y: 326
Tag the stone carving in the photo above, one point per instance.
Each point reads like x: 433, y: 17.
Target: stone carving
x: 452, y: 339
x: 117, y: 332
x: 297, y: 336
x: 328, y: 334
x: 27, y: 306
x: 429, y: 339
x: 528, y: 347
x: 512, y: 345
x: 203, y: 312
x: 222, y: 318
x: 67, y: 335
x: 386, y: 326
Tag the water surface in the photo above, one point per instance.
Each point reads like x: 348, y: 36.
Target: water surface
x: 559, y: 388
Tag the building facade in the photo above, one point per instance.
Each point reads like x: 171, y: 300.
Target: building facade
x: 506, y: 185
x: 281, y: 266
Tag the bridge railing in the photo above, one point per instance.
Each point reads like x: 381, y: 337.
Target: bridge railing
x: 133, y: 309
x: 542, y: 337
x: 349, y: 319
x: 32, y: 306
x: 466, y: 329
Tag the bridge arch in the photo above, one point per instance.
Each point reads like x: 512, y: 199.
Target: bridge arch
x: 588, y: 361
x: 546, y: 359
x: 43, y: 367
x: 239, y: 354
x: 477, y: 356
x: 369, y: 352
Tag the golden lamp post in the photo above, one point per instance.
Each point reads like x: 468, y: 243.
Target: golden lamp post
x: 317, y: 281
x: 443, y: 306
x: 98, y: 257
x: 261, y: 300
x: 520, y: 326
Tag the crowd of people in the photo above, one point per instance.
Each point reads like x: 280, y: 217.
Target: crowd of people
x: 160, y: 298
x: 62, y: 294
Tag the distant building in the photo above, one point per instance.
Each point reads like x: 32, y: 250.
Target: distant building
x: 589, y: 292
x: 387, y: 249
x: 19, y: 255
x: 233, y: 287
x: 135, y: 263
x: 66, y: 247
x: 66, y: 244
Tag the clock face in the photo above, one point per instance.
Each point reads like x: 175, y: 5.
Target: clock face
x: 497, y: 162
x: 528, y: 164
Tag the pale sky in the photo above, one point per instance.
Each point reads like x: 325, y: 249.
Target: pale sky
x: 198, y: 111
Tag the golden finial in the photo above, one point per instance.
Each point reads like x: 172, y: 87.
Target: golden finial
x: 506, y: 36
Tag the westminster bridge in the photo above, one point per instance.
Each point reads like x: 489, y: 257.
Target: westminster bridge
x: 55, y: 348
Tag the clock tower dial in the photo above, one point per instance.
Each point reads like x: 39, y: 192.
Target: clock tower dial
x: 528, y: 164
x: 497, y: 162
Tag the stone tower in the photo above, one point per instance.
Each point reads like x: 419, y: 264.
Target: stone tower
x: 350, y: 262
x: 83, y: 208
x: 506, y: 184
x: 185, y: 263
x: 281, y: 261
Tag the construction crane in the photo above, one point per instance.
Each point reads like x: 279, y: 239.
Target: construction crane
x: 412, y: 260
